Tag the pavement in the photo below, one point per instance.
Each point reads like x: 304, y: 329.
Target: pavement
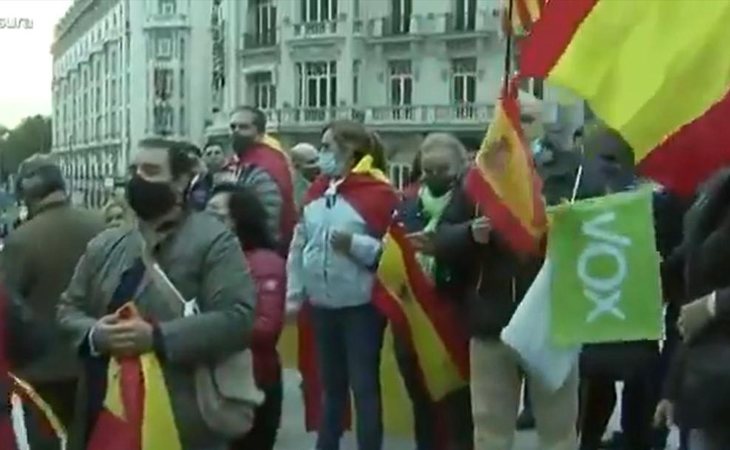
x: 293, y: 437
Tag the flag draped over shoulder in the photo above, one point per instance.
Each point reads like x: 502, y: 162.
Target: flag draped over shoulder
x: 503, y: 181
x: 656, y: 71
x: 426, y: 322
x: 136, y: 412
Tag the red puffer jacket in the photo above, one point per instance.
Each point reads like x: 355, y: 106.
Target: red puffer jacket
x: 269, y: 273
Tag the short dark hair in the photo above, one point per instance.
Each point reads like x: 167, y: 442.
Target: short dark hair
x: 259, y: 117
x: 249, y: 217
x: 178, y: 152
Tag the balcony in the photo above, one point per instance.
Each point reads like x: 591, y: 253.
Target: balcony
x: 260, y: 40
x: 315, y: 29
x: 312, y: 117
x: 394, y: 27
x: 166, y: 21
x: 459, y: 25
x: 470, y: 117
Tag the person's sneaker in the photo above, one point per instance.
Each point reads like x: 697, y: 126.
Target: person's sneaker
x: 526, y: 421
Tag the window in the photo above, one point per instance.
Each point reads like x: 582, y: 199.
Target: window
x: 182, y: 121
x: 182, y: 83
x: 167, y: 7
x: 534, y: 86
x: 113, y: 123
x: 317, y: 88
x: 265, y: 28
x: 318, y: 10
x: 400, y: 175
x: 464, y: 86
x: 164, y: 119
x: 465, y: 17
x: 113, y: 93
x: 401, y: 89
x: 355, y: 82
x: 164, y: 47
x: 163, y: 83
x: 464, y: 80
x: 264, y: 90
x: 401, y: 11
x: 113, y: 57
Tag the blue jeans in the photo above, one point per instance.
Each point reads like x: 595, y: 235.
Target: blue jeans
x: 348, y: 347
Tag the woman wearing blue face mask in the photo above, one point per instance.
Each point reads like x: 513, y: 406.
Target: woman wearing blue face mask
x: 331, y: 266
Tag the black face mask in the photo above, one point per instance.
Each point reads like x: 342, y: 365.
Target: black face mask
x: 439, y: 186
x: 149, y: 200
x: 242, y: 142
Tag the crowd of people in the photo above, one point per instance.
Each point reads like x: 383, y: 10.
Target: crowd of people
x: 255, y: 234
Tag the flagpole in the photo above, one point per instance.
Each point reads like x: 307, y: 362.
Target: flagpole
x: 508, y: 51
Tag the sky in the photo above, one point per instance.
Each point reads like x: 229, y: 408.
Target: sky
x: 25, y: 58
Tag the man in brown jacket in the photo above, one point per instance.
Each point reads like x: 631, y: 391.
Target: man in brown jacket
x: 37, y: 262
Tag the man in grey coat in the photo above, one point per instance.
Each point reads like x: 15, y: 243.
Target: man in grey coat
x: 37, y: 263
x: 202, y: 259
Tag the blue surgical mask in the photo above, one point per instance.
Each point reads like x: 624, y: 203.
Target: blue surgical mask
x: 329, y: 164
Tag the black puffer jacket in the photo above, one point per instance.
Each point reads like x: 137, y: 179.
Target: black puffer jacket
x: 488, y: 280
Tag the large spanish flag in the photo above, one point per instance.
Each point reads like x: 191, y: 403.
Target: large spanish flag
x: 503, y: 181
x: 656, y: 71
x: 136, y: 412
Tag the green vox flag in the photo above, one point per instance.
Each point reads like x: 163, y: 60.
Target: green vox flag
x: 605, y: 285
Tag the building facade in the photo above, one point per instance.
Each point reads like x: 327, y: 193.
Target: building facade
x: 404, y: 67
x: 124, y: 70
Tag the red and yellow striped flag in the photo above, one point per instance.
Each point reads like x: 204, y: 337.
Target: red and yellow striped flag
x: 427, y: 323
x: 503, y: 181
x: 656, y: 71
x: 137, y: 412
x: 524, y: 14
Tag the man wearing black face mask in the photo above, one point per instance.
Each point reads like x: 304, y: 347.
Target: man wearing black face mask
x: 264, y: 170
x: 202, y: 260
x: 443, y: 161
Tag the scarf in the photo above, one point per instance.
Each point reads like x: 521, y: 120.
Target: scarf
x: 433, y: 208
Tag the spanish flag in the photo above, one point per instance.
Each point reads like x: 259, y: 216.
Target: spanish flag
x: 136, y: 412
x: 524, y: 13
x: 656, y: 71
x: 503, y: 181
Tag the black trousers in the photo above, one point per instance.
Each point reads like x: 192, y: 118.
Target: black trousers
x: 266, y: 422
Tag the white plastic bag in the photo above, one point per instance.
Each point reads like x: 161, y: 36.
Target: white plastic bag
x: 528, y: 334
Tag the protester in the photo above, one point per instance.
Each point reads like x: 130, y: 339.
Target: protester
x: 37, y: 262
x: 304, y: 157
x: 331, y: 263
x: 115, y: 213
x: 442, y: 164
x: 490, y: 279
x: 609, y: 168
x: 265, y: 170
x: 241, y: 211
x: 698, y: 389
x: 201, y: 258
